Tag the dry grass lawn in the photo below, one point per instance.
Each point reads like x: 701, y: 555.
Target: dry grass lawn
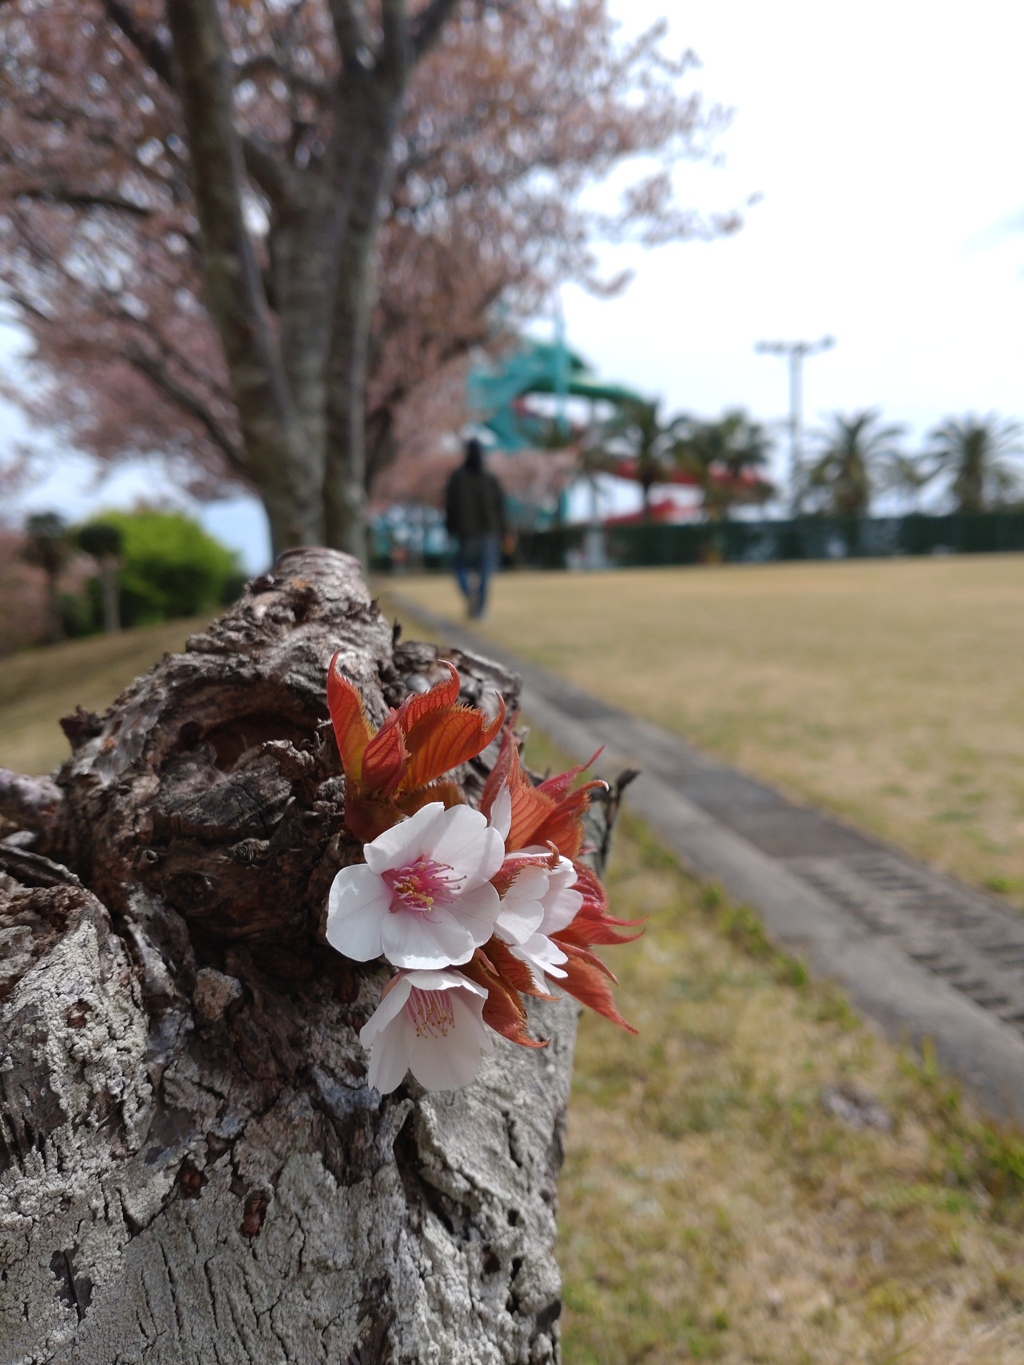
x: 39, y: 686
x: 890, y: 691
x: 712, y: 1207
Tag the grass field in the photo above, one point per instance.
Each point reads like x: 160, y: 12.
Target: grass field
x: 39, y: 686
x: 890, y: 691
x: 711, y: 1205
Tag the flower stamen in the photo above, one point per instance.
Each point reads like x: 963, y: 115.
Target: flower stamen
x: 431, y: 1013
x: 422, y: 885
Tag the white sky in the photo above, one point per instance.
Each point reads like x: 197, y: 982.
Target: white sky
x: 886, y: 141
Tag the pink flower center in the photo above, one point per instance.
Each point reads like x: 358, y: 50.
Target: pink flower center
x: 431, y: 1012
x: 421, y: 886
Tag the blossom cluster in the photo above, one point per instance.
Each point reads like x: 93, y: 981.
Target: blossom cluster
x: 474, y: 908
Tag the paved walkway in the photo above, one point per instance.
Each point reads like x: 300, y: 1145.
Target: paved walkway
x: 919, y: 953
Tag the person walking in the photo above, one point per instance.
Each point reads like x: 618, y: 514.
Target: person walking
x: 475, y: 517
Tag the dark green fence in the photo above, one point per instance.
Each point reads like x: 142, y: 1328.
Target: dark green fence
x: 752, y: 542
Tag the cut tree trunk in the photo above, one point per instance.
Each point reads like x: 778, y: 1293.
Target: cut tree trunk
x: 193, y: 1166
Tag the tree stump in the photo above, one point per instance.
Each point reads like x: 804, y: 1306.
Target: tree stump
x: 193, y: 1166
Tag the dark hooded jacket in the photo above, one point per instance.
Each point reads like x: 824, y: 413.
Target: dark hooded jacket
x: 474, y: 504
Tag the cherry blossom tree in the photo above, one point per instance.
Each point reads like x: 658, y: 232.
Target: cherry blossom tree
x: 242, y: 235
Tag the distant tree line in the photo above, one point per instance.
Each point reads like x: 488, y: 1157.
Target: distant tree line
x: 150, y: 566
x: 858, y: 456
x: 854, y: 458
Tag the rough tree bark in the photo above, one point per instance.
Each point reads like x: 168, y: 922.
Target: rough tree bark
x: 193, y: 1167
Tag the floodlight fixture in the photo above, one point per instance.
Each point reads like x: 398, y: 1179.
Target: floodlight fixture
x: 796, y: 353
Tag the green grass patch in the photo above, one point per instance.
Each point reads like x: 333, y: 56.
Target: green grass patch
x: 713, y: 1207
x: 38, y: 686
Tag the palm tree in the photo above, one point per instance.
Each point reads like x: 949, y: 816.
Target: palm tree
x: 906, y: 475
x: 636, y: 434
x: 974, y: 451
x: 726, y: 457
x: 850, y: 452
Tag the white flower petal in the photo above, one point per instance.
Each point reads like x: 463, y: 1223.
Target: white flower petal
x: 392, y: 1002
x: 416, y: 943
x: 517, y: 924
x: 542, y: 956
x: 403, y: 843
x: 522, y: 909
x: 477, y: 911
x: 443, y: 981
x: 454, y: 1060
x: 469, y: 846
x: 439, y: 1058
x: 356, y: 906
x: 500, y: 817
x: 561, y: 902
x: 389, y: 1060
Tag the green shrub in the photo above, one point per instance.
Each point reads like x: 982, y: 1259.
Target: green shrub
x: 171, y: 567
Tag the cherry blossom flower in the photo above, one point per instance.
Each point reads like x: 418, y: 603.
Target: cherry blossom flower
x: 477, y: 909
x: 540, y: 902
x: 423, y: 898
x: 429, y: 1023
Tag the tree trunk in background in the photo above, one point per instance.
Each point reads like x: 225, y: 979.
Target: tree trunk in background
x: 193, y: 1167
x: 278, y: 454
x: 54, y: 615
x: 110, y: 568
x: 372, y: 107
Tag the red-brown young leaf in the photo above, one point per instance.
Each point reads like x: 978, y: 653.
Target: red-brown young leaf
x: 563, y: 826
x: 589, y: 985
x: 503, y: 1010
x: 500, y: 774
x: 557, y: 787
x: 585, y: 930
x: 420, y: 704
x: 444, y: 791
x: 385, y: 759
x: 589, y: 884
x: 585, y: 955
x: 593, y: 924
x: 367, y: 816
x: 348, y: 717
x: 443, y: 739
x: 514, y: 864
x: 530, y: 807
x: 512, y: 970
x: 537, y: 817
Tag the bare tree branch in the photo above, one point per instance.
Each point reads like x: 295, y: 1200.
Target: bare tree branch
x: 352, y: 31
x: 159, y: 375
x: 277, y: 180
x: 428, y: 25
x: 395, y: 51
x: 153, y: 52
x: 280, y: 458
x: 267, y: 62
x: 82, y: 199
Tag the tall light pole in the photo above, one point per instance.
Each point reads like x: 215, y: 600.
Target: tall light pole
x: 796, y: 352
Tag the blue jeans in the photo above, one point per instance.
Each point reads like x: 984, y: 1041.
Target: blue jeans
x: 476, y: 558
